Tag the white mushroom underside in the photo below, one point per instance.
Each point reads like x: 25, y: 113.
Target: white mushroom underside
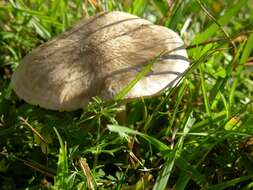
x: 154, y: 84
x: 99, y: 56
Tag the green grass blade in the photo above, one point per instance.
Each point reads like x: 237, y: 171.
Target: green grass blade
x: 217, y: 117
x: 247, y: 50
x: 156, y: 143
x: 204, y: 92
x: 138, y: 77
x: 35, y: 21
x: 223, y: 20
x: 176, y: 14
x: 162, y: 5
x: 39, y: 15
x: 138, y: 6
x: 163, y: 177
x: 221, y: 83
x: 230, y: 183
x: 188, y: 172
x: 176, y: 106
x: 61, y: 179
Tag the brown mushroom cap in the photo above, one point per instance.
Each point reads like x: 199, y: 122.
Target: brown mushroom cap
x: 99, y: 56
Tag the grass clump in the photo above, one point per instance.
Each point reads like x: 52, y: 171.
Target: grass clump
x: 197, y: 135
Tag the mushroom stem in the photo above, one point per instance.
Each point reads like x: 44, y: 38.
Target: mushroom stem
x: 121, y: 116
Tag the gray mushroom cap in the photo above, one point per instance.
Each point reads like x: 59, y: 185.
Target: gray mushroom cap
x: 99, y: 56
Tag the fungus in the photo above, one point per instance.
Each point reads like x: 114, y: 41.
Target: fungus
x: 99, y: 56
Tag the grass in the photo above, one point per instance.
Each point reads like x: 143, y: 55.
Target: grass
x: 197, y: 135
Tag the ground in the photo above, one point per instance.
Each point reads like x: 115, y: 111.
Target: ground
x: 197, y: 135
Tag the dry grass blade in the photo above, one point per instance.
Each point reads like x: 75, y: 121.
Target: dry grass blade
x: 35, y: 166
x: 216, y: 22
x: 242, y: 36
x: 249, y: 63
x: 38, y: 169
x: 86, y: 171
x: 95, y: 4
x: 25, y: 121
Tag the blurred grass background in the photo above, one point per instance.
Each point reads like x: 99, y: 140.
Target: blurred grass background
x: 195, y: 136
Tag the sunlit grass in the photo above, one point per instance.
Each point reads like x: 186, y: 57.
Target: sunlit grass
x: 196, y: 135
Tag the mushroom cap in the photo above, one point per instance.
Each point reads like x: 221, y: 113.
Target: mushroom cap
x: 99, y: 56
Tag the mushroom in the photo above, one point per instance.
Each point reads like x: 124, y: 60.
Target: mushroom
x: 99, y: 56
